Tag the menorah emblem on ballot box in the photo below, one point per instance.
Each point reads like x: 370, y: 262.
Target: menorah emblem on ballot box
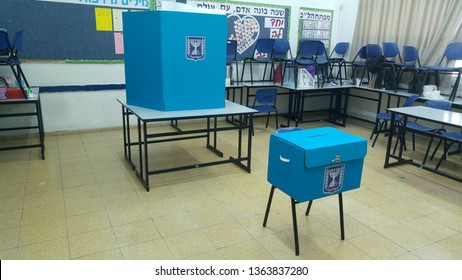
x: 195, y: 48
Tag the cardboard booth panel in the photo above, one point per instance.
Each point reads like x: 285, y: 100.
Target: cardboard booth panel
x: 314, y: 163
x: 175, y: 60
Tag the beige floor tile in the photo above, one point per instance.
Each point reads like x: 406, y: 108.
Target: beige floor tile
x: 9, y: 238
x: 121, y: 199
x: 249, y: 250
x: 89, y: 243
x: 431, y: 228
x: 78, y: 180
x: 136, y: 232
x: 227, y: 234
x: 198, y: 201
x: 210, y: 255
x: 9, y: 254
x: 164, y: 207
x: 125, y: 215
x: 11, y: 203
x: 176, y: 223
x: 399, y: 211
x: 377, y: 246
x: 281, y: 245
x: 75, y: 166
x: 452, y: 217
x: 373, y: 218
x: 42, y: 214
x: 405, y: 236
x: 81, y: 192
x: 85, y: 202
x: 39, y: 199
x: 84, y: 206
x: 10, y: 219
x: 344, y: 251
x: 9, y: 190
x: 209, y: 216
x: 254, y: 225
x: 115, y: 186
x: 113, y: 254
x: 57, y: 249
x: 446, y: 249
x: 188, y: 244
x: 39, y: 232
x: 88, y: 222
x: 150, y: 250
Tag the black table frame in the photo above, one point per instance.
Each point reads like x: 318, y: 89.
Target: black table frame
x: 209, y: 132
x: 39, y: 126
x: 398, y: 128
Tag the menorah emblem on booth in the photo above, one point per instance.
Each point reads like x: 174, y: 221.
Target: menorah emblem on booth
x: 195, y: 48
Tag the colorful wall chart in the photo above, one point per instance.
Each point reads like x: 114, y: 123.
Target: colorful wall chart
x: 316, y: 24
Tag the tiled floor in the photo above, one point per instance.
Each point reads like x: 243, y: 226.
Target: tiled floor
x: 84, y: 202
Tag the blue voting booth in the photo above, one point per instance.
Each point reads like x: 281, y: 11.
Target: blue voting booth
x: 175, y: 60
x: 314, y: 163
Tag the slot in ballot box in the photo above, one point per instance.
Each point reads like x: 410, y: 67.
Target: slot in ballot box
x: 175, y: 60
x: 314, y: 163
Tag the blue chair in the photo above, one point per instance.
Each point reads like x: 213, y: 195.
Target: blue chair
x: 359, y: 61
x: 453, y: 52
x: 312, y: 53
x: 282, y: 54
x: 337, y: 59
x: 392, y: 63
x: 265, y: 102
x: 231, y: 56
x: 448, y: 138
x: 374, y: 63
x: 9, y: 56
x: 382, y: 119
x: 411, y: 63
x: 262, y: 53
x: 415, y: 127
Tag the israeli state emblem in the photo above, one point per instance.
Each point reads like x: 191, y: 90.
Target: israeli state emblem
x: 195, y: 47
x: 333, y: 178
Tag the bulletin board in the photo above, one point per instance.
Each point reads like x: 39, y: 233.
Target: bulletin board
x: 249, y: 21
x: 70, y: 30
x: 316, y: 24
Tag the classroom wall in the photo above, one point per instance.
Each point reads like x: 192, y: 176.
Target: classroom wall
x: 74, y: 111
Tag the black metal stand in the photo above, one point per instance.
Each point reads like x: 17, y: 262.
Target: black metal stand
x: 293, y: 203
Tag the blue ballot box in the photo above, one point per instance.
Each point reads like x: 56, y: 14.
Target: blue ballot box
x: 175, y: 60
x: 314, y: 163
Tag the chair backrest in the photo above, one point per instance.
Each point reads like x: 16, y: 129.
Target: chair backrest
x: 311, y: 49
x: 411, y: 56
x: 362, y: 54
x: 308, y: 49
x: 340, y: 49
x: 266, y: 96
x: 453, y: 52
x: 373, y: 50
x: 410, y: 100
x: 391, y: 51
x: 231, y: 51
x: 5, y: 46
x: 281, y: 49
x: 438, y: 104
x: 264, y: 49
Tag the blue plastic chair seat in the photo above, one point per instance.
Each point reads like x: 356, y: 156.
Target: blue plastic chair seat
x: 419, y: 127
x: 264, y: 108
x: 454, y: 136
